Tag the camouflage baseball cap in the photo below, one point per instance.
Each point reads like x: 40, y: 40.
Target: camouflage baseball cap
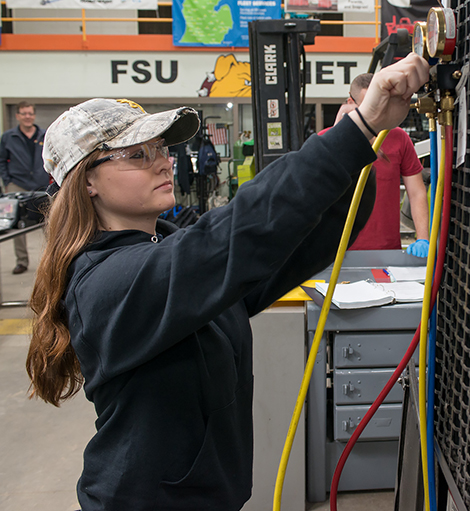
x: 110, y: 124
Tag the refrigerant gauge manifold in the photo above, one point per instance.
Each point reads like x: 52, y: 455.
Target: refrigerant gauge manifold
x: 419, y: 40
x: 440, y: 33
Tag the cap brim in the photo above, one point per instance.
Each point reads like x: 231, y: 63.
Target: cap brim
x: 175, y: 126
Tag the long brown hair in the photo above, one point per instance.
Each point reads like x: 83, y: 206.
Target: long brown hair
x: 71, y: 224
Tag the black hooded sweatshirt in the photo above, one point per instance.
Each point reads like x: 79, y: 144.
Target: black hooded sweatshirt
x: 162, y: 330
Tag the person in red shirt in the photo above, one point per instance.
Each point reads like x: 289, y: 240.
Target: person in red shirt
x: 396, y: 159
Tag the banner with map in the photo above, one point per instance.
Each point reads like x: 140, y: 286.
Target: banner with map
x: 218, y: 23
x: 83, y: 4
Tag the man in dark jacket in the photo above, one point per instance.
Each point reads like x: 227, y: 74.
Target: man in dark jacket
x: 21, y: 166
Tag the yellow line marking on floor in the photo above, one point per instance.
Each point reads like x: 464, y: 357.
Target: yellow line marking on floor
x: 15, y: 327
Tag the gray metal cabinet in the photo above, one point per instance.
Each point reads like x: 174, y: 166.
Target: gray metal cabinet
x: 359, y: 351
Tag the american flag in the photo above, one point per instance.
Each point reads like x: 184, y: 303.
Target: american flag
x: 217, y: 133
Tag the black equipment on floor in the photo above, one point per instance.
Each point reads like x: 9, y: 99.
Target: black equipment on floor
x: 22, y: 209
x: 392, y: 48
x: 207, y: 165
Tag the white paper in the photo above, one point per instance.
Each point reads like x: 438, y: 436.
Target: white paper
x: 401, y: 273
x: 407, y: 291
x: 363, y: 293
x: 356, y: 295
x: 356, y: 6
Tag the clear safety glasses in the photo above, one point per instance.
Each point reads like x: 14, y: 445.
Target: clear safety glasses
x: 140, y: 156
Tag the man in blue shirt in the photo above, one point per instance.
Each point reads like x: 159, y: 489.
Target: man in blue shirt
x: 21, y: 166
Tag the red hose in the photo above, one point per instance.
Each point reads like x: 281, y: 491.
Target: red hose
x: 435, y: 288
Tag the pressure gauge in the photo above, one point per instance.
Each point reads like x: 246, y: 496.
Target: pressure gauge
x: 419, y: 40
x: 441, y: 32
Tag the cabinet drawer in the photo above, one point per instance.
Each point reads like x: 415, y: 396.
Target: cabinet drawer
x: 363, y: 386
x: 384, y: 425
x: 371, y: 349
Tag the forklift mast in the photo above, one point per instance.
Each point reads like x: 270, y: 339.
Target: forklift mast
x: 278, y: 70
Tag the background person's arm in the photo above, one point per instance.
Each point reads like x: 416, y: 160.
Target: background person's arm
x: 4, y: 162
x: 419, y: 204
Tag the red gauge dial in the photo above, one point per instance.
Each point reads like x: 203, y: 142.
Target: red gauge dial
x: 441, y: 32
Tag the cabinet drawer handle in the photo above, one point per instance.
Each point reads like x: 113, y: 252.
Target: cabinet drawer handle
x: 347, y: 425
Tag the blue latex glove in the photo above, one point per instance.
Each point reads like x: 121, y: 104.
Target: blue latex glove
x: 419, y: 248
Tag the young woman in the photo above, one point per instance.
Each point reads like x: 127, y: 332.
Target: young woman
x: 155, y: 320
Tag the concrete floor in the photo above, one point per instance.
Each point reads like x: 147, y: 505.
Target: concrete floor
x: 41, y: 446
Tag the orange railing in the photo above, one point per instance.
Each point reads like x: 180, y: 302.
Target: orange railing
x: 84, y: 20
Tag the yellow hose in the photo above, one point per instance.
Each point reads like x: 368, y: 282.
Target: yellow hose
x: 343, y: 245
x: 423, y: 338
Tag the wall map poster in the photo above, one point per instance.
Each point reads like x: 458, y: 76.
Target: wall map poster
x: 218, y: 22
